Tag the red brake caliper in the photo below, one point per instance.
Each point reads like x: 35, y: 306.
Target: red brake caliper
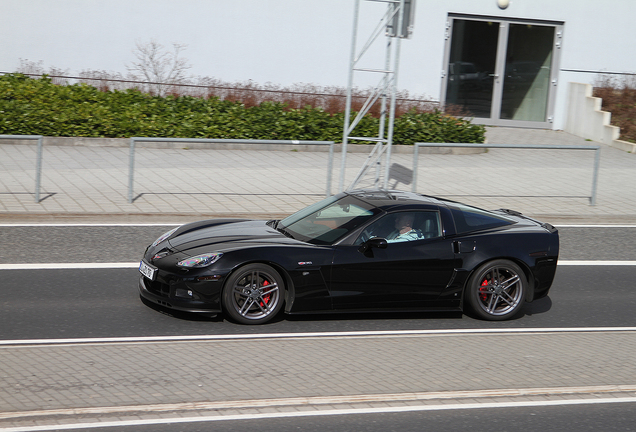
x: 266, y: 297
x: 483, y: 290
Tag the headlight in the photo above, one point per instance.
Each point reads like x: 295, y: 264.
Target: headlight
x: 163, y: 237
x: 200, y: 260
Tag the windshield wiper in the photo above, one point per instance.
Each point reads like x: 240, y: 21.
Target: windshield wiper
x: 285, y: 232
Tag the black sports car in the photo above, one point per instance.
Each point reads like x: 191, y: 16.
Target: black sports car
x: 357, y: 251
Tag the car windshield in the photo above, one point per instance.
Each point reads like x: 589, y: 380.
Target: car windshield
x: 328, y: 220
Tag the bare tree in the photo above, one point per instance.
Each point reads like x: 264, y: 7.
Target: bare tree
x: 156, y: 66
x: 29, y: 67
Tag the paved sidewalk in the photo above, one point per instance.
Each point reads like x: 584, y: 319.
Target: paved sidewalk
x: 46, y: 383
x: 91, y: 183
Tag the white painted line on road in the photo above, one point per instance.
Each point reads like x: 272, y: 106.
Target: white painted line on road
x: 90, y: 224
x: 597, y: 263
x: 332, y: 335
x: 121, y: 265
x: 595, y: 226
x: 325, y: 400
x: 321, y: 413
x: 131, y: 224
x: 69, y: 266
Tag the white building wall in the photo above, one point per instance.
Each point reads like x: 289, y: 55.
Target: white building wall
x: 598, y: 36
x: 297, y: 41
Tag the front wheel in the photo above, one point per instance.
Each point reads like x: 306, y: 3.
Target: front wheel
x: 497, y: 290
x: 253, y: 294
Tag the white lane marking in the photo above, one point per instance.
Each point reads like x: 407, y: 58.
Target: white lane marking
x: 181, y: 223
x: 90, y: 224
x: 332, y: 335
x: 69, y: 266
x: 596, y: 263
x: 595, y: 226
x: 119, y: 265
x: 331, y: 412
x: 324, y: 400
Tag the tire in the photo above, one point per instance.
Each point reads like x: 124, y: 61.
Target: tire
x: 497, y: 290
x: 253, y: 294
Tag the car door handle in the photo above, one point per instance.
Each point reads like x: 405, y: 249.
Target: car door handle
x: 464, y: 247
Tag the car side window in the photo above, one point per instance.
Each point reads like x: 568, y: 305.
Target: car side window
x: 404, y: 226
x: 468, y: 219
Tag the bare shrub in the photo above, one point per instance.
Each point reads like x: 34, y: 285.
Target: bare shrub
x: 105, y: 81
x: 159, y: 68
x: 58, y: 76
x: 619, y: 98
x: 332, y: 99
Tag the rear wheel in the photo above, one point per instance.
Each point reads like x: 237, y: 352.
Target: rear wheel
x: 253, y: 294
x: 497, y: 290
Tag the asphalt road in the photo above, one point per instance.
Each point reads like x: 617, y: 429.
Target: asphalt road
x: 57, y: 303
x: 579, y: 418
x: 39, y: 304
x: 76, y: 303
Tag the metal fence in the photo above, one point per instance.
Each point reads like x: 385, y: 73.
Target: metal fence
x: 596, y: 148
x: 134, y: 140
x: 331, y: 144
x: 38, y: 163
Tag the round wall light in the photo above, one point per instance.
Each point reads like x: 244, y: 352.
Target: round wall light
x: 503, y: 4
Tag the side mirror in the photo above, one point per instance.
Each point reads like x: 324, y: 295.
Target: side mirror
x: 373, y: 242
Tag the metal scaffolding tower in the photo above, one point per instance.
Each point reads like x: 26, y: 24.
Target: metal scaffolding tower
x: 397, y: 24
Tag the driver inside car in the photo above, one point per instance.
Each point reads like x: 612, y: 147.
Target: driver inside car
x: 404, y: 229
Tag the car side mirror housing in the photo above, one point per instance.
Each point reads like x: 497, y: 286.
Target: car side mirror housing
x: 373, y: 242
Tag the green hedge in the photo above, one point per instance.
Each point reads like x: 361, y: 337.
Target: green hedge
x: 39, y: 107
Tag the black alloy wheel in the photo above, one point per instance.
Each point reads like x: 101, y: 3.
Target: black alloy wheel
x: 496, y: 291
x: 253, y: 294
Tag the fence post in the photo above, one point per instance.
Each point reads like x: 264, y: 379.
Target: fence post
x: 597, y: 160
x: 329, y: 169
x: 38, y: 170
x: 131, y: 169
x: 416, y: 153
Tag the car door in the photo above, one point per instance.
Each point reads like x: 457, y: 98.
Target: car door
x: 404, y: 275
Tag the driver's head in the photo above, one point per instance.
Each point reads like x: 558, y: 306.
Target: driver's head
x: 404, y: 220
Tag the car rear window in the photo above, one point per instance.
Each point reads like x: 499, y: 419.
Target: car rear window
x: 469, y: 219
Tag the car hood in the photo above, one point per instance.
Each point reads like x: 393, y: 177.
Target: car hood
x: 227, y: 235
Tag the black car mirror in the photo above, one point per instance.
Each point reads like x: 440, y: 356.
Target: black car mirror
x: 374, y: 242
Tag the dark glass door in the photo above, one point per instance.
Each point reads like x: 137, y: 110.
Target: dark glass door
x: 526, y: 84
x: 471, y: 67
x: 500, y: 72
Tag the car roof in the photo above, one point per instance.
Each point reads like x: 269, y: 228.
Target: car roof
x: 388, y: 199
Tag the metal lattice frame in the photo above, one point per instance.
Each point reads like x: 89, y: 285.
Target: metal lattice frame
x: 397, y: 23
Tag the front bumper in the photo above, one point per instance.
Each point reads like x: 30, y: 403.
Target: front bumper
x: 181, y: 297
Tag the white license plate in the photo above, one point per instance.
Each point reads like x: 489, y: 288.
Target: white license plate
x: 147, y: 270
